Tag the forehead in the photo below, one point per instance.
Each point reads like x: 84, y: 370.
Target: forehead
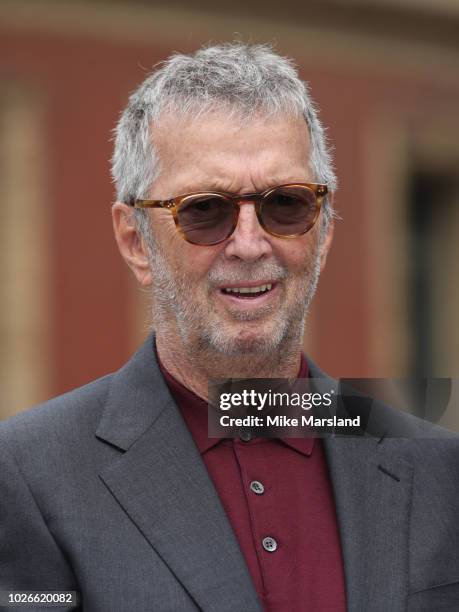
x: 215, y: 151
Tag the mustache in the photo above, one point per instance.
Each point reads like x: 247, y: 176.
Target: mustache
x: 248, y: 272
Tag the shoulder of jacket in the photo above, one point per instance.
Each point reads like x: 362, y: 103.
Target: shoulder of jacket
x: 79, y: 405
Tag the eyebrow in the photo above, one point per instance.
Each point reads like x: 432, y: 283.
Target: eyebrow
x: 219, y: 186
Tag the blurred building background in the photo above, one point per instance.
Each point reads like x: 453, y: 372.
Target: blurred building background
x: 385, y: 75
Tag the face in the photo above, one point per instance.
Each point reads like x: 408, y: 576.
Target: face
x: 207, y: 295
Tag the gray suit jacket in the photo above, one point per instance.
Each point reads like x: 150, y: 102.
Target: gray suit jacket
x: 103, y: 491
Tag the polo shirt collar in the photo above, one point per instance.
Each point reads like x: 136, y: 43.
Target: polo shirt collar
x: 194, y: 411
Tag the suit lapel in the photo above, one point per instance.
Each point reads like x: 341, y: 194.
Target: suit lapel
x: 162, y: 484
x: 372, y: 481
x: 372, y: 494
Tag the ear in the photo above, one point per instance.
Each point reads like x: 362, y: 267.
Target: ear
x: 325, y: 247
x: 131, y: 245
x: 327, y: 242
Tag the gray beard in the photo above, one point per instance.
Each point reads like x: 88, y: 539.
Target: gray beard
x: 205, y: 342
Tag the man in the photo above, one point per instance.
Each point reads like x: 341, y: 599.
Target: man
x: 224, y: 188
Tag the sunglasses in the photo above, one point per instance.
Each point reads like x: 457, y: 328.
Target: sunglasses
x: 207, y: 218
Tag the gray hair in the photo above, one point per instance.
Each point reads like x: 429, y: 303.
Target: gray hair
x: 242, y: 79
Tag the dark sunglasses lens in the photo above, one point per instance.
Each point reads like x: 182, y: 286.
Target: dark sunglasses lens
x: 290, y: 211
x: 206, y: 219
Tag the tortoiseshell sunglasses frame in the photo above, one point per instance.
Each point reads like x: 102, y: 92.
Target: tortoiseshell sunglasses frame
x: 173, y: 205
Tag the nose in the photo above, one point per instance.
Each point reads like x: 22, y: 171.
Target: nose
x: 249, y: 241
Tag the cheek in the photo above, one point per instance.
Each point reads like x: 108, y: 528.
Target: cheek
x: 196, y: 262
x: 296, y: 254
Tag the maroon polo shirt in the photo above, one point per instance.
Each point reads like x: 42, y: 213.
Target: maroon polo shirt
x: 278, y: 498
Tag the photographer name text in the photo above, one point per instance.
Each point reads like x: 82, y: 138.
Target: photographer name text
x: 284, y: 421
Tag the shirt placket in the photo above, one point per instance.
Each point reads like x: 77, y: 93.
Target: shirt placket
x: 269, y: 536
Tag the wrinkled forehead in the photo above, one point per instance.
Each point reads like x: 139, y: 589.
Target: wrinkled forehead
x: 233, y: 152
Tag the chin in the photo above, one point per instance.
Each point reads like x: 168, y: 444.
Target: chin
x: 247, y: 339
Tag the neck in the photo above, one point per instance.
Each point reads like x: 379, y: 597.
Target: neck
x: 193, y: 366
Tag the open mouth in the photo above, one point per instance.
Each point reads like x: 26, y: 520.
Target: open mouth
x: 248, y: 293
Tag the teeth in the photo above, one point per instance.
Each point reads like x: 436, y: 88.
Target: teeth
x: 259, y: 289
